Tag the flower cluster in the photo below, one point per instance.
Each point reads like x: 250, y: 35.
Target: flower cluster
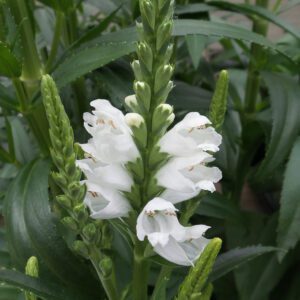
x: 189, y: 146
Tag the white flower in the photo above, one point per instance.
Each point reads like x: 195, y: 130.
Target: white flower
x: 190, y: 135
x: 185, y: 177
x: 111, y: 140
x: 176, y: 243
x: 104, y: 186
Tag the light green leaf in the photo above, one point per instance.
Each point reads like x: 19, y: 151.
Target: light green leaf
x: 196, y: 44
x: 289, y: 216
x: 234, y: 258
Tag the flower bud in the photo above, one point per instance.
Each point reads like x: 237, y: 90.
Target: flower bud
x: 138, y: 126
x: 81, y: 213
x: 106, y: 266
x: 163, y: 34
x: 162, y: 77
x: 148, y: 13
x: 81, y: 248
x: 163, y: 94
x: 59, y: 179
x: 143, y: 93
x: 70, y: 223
x: 136, y: 67
x: 163, y: 116
x: 32, y: 267
x: 64, y: 201
x: 91, y: 233
x: 132, y: 103
x: 145, y: 54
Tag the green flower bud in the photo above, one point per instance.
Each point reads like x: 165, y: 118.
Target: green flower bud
x: 81, y: 248
x: 219, y: 101
x: 81, y: 213
x: 32, y: 267
x: 74, y: 189
x: 163, y: 34
x: 106, y: 266
x: 136, y: 67
x: 64, y: 201
x: 143, y: 93
x: 91, y: 233
x: 163, y: 116
x: 70, y: 223
x: 162, y: 77
x: 139, y: 129
x: 148, y: 13
x: 163, y: 94
x: 145, y: 55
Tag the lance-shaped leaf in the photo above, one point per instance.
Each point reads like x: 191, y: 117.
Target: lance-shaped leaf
x: 194, y: 285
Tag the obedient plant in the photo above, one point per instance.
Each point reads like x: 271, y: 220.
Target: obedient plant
x: 132, y: 168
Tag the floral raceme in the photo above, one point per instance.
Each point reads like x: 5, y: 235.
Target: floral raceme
x: 189, y: 148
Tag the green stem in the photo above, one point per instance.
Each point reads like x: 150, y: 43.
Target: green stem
x: 55, y: 41
x: 162, y: 281
x: 253, y: 78
x: 140, y: 273
x: 108, y: 282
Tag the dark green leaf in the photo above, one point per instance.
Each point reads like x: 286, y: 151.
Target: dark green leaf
x: 234, y: 258
x: 192, y: 8
x: 7, y: 100
x: 259, y: 11
x: 284, y: 95
x: 289, y: 217
x: 9, y: 64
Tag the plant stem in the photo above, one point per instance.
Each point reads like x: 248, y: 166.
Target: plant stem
x: 55, y: 41
x: 253, y: 78
x: 108, y: 282
x: 140, y: 272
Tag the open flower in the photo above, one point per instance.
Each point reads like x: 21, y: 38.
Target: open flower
x: 111, y: 140
x: 176, y: 243
x: 189, y: 176
x: 189, y: 136
x: 104, y: 186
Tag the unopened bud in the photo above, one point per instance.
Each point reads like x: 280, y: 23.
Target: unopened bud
x: 136, y: 67
x: 32, y: 267
x: 90, y: 232
x: 81, y: 248
x: 163, y: 34
x: 163, y: 116
x: 106, y: 266
x: 64, y: 201
x: 162, y: 77
x: 143, y: 93
x: 148, y: 13
x: 81, y: 213
x: 145, y: 54
x: 139, y: 129
x: 162, y: 95
x: 69, y: 223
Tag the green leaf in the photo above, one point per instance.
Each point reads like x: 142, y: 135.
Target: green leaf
x: 62, y: 5
x: 9, y: 293
x: 284, y: 96
x: 192, y: 8
x: 258, y: 11
x: 217, y: 206
x: 289, y: 216
x: 44, y: 289
x: 9, y: 64
x: 7, y: 100
x: 33, y: 230
x: 89, y: 59
x: 196, y: 44
x: 234, y: 258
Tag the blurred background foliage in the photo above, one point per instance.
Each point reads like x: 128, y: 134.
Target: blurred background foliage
x: 87, y: 46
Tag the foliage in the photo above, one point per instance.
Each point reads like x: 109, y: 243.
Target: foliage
x: 88, y: 48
